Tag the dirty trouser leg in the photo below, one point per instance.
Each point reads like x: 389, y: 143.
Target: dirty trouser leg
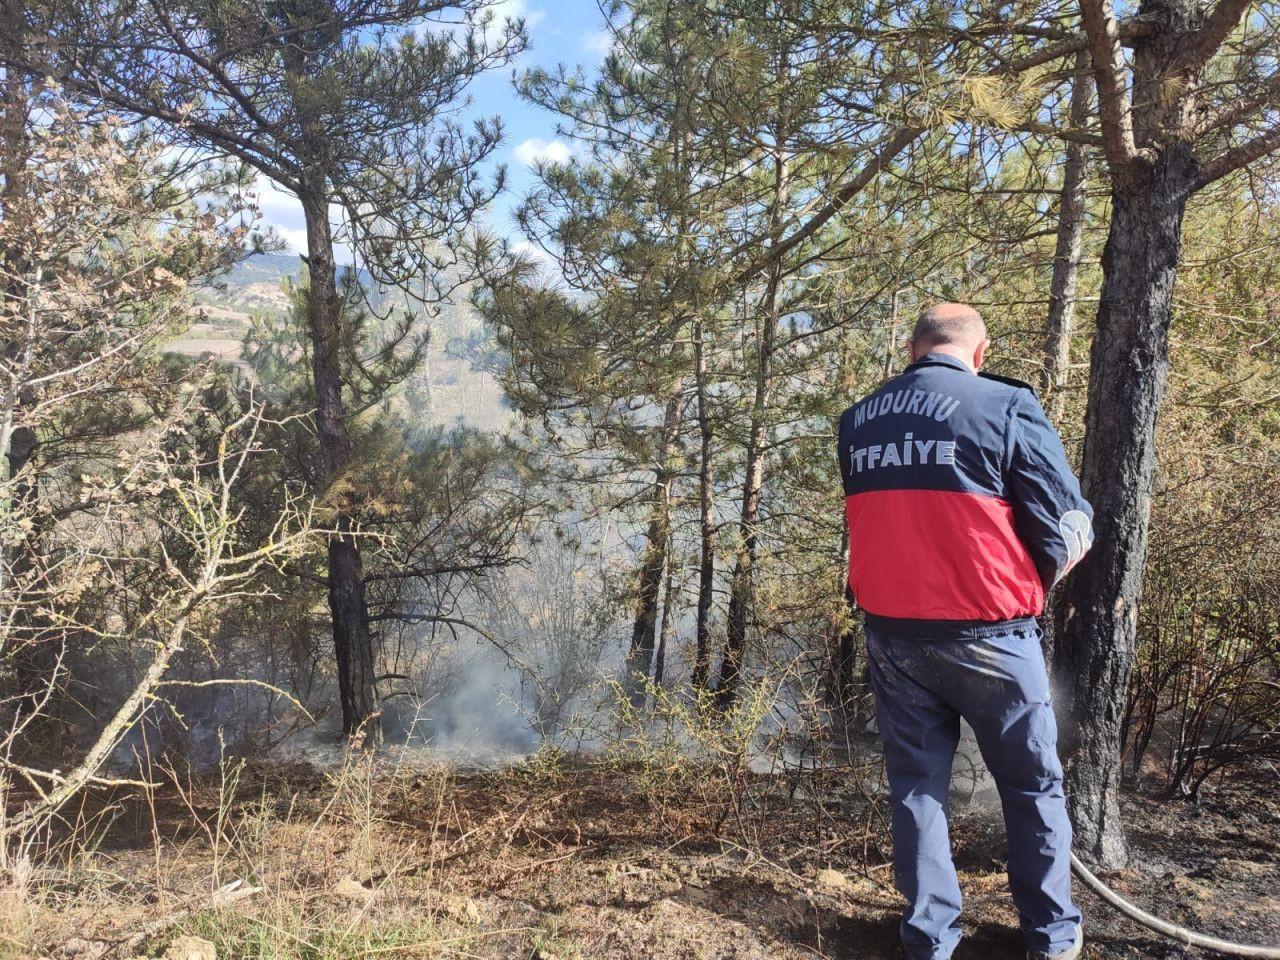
x: 920, y: 733
x: 1005, y: 699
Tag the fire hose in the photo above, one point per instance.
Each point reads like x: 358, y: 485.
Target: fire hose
x: 1171, y: 930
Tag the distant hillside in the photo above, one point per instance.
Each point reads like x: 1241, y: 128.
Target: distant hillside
x: 252, y: 284
x: 447, y: 387
x: 256, y: 282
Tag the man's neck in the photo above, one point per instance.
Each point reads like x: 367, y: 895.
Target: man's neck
x: 947, y: 350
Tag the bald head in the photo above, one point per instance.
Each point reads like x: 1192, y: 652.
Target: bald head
x: 955, y: 329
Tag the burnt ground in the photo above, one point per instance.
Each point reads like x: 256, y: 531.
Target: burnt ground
x: 555, y: 861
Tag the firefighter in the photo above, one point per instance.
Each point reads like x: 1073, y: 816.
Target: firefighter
x: 963, y: 512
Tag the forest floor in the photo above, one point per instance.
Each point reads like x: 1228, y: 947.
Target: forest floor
x: 553, y: 861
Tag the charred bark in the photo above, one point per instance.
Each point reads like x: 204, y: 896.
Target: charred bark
x: 649, y: 588
x: 644, y: 627
x: 844, y: 663
x: 706, y: 518
x: 843, y: 646
x: 1130, y: 359
x: 352, y: 640
x: 667, y: 631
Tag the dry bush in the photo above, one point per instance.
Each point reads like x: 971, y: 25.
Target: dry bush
x: 1205, y: 689
x: 167, y: 595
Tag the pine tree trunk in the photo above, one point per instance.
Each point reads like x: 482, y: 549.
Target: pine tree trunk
x: 352, y: 642
x: 667, y: 631
x: 37, y: 648
x: 644, y: 627
x: 706, y: 517
x: 649, y: 588
x: 15, y: 450
x: 1126, y: 385
x: 742, y: 584
x: 741, y: 592
x: 843, y: 650
x: 1066, y: 256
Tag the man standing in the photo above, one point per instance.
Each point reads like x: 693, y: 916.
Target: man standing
x: 962, y: 513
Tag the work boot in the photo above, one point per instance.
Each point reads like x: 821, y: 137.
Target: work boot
x: 1070, y: 953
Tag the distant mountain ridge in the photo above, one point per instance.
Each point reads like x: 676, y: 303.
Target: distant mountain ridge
x: 255, y: 283
x: 451, y: 390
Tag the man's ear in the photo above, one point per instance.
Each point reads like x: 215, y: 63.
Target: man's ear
x: 911, y: 349
x: 980, y: 354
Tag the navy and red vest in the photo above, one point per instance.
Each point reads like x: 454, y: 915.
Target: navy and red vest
x: 961, y: 505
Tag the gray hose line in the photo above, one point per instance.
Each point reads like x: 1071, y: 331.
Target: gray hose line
x: 1171, y: 930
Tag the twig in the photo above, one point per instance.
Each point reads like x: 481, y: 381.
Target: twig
x: 531, y: 867
x: 220, y: 898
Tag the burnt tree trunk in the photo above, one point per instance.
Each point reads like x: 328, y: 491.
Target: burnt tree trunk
x: 1126, y: 385
x: 667, y: 631
x: 348, y: 608
x: 843, y: 650
x: 843, y: 663
x: 644, y: 627
x: 706, y: 517
x: 352, y: 641
x: 649, y: 588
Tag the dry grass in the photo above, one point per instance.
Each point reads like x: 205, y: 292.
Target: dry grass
x: 372, y: 859
x: 560, y: 858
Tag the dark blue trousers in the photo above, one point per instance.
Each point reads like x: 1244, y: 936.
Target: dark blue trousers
x: 999, y: 685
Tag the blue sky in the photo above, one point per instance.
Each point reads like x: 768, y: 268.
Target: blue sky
x: 560, y: 31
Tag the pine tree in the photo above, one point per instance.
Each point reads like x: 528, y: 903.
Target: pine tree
x: 342, y: 103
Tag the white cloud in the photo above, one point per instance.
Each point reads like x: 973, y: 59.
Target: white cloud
x: 526, y: 249
x: 496, y: 13
x: 297, y: 239
x: 535, y: 150
x: 276, y: 205
x: 505, y: 10
x: 280, y: 212
x: 598, y: 42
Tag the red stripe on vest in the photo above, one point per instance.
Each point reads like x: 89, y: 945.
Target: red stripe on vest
x: 939, y: 555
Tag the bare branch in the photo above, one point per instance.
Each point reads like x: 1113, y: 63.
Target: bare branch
x: 892, y: 147
x: 220, y: 898
x: 1239, y: 110
x: 1225, y: 17
x: 1127, y: 31
x: 1238, y: 157
x: 1103, y: 35
x: 1070, y: 135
